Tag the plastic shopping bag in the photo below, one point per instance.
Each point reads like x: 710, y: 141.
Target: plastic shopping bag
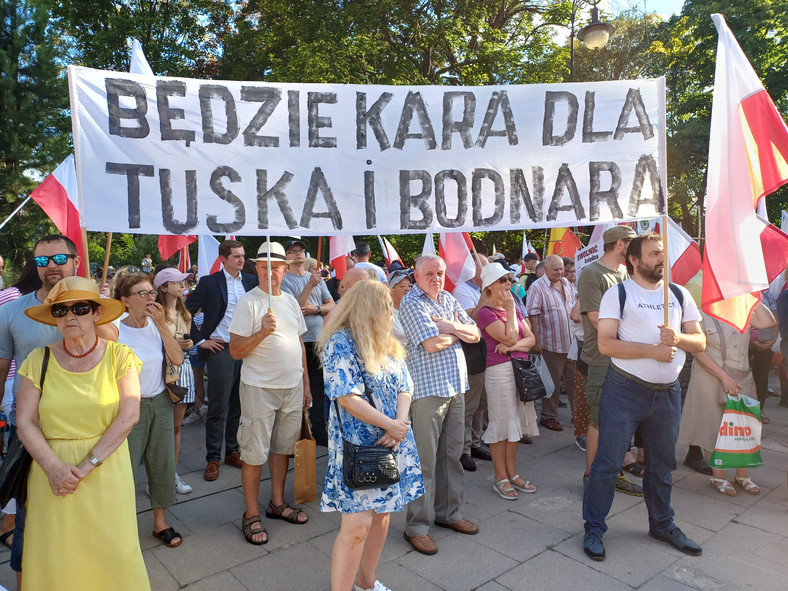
x: 739, y: 438
x: 544, y: 373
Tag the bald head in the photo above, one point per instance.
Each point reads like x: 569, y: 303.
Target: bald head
x: 554, y: 268
x: 353, y: 276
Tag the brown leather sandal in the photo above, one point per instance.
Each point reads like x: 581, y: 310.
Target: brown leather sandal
x: 274, y: 512
x: 246, y: 528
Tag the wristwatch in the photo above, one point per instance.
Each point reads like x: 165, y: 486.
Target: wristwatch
x: 94, y: 460
x: 319, y: 310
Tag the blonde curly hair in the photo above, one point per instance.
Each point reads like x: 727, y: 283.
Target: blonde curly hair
x: 366, y: 311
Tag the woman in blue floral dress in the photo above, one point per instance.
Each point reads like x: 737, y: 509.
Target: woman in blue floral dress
x: 357, y: 344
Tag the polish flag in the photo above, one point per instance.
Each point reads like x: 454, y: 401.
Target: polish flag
x: 389, y: 252
x: 338, y: 248
x: 456, y: 249
x: 57, y: 196
x: 683, y: 254
x: 564, y: 242
x: 748, y: 159
x: 138, y: 63
x: 208, y: 260
x: 184, y: 260
x: 170, y: 245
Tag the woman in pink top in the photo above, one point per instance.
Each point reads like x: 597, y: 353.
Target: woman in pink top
x: 506, y: 333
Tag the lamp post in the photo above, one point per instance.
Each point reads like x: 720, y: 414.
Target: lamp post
x: 595, y: 34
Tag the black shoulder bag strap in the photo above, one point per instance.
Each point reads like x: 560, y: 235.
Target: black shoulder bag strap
x: 44, y: 365
x: 367, y: 394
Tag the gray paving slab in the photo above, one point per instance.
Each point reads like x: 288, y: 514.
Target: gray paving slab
x: 553, y: 570
x: 222, y: 581
x: 299, y: 567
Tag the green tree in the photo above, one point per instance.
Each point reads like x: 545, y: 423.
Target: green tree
x: 393, y: 42
x: 180, y: 38
x: 34, y: 135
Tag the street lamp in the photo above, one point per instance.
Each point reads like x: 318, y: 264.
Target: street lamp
x: 595, y: 35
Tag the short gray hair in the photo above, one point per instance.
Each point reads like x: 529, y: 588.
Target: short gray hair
x: 429, y: 257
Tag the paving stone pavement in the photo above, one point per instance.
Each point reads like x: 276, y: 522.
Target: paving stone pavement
x: 533, y: 543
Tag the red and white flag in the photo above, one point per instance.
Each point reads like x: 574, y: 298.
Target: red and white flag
x: 338, y: 248
x: 58, y: 197
x: 208, y: 260
x: 456, y: 249
x: 748, y: 159
x: 390, y: 253
x: 683, y: 254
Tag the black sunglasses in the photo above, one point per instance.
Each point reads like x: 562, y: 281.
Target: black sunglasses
x: 78, y: 309
x: 60, y: 259
x: 506, y: 279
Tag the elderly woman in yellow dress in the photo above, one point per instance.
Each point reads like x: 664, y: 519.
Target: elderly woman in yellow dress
x: 77, y: 402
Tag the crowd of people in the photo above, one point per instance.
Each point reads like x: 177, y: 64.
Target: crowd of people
x: 108, y: 374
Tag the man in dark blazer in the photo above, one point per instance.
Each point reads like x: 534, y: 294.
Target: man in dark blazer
x: 216, y: 296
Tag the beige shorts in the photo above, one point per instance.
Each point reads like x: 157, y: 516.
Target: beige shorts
x: 270, y: 421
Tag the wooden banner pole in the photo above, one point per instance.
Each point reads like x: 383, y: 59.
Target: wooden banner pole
x: 106, y: 258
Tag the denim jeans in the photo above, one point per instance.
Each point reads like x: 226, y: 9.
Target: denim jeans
x: 626, y: 404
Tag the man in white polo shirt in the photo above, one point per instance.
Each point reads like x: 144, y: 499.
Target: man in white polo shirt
x: 266, y: 333
x: 641, y: 389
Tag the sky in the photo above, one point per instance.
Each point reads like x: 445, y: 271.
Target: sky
x: 664, y: 8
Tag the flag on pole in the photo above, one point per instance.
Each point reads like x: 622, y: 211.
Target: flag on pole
x: 429, y: 244
x: 456, y: 249
x: 683, y: 254
x: 169, y: 245
x: 748, y: 154
x: 208, y: 260
x: 564, y: 242
x: 338, y: 248
x: 184, y: 260
x: 58, y: 197
x: 390, y: 253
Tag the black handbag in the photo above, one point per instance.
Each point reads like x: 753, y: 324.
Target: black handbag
x: 527, y: 380
x: 16, y: 466
x: 367, y: 466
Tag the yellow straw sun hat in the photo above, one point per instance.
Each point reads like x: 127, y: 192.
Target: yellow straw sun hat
x: 75, y: 289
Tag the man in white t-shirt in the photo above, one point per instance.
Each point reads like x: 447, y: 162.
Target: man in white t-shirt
x: 265, y: 332
x: 641, y: 389
x: 361, y: 258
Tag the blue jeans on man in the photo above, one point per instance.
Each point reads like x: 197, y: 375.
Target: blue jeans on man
x: 624, y: 405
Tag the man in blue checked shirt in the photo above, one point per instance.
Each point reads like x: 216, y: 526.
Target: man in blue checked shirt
x: 434, y: 323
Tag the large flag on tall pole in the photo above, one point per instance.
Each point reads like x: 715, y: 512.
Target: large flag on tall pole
x: 748, y: 159
x: 208, y: 260
x: 390, y: 253
x: 58, y: 197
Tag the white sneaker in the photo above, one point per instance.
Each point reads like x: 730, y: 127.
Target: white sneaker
x: 194, y: 417
x: 181, y: 487
x: 378, y: 586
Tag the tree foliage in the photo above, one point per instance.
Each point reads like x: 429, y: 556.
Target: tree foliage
x: 34, y: 134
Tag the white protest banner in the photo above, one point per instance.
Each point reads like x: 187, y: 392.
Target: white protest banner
x: 160, y: 155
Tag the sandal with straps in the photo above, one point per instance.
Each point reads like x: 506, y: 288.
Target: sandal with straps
x: 722, y: 485
x: 504, y: 489
x: 748, y: 485
x: 528, y: 487
x: 274, y: 512
x: 246, y: 528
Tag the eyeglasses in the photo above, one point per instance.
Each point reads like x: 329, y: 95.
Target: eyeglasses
x: 145, y: 293
x: 78, y: 309
x: 60, y: 259
x: 296, y: 251
x: 506, y: 279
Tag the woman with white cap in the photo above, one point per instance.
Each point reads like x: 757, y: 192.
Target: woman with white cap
x: 507, y: 335
x: 78, y: 400
x: 170, y: 285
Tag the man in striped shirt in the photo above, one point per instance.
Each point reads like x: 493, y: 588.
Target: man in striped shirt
x: 548, y: 303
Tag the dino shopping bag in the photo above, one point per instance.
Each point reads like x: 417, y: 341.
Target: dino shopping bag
x: 739, y: 438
